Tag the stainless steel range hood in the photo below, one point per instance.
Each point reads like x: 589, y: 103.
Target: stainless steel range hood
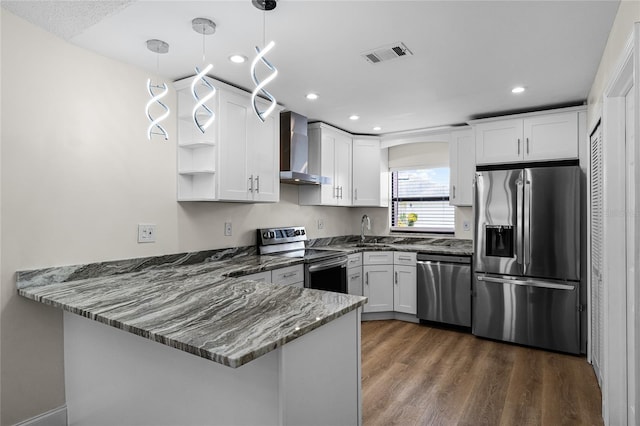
x: 294, y: 151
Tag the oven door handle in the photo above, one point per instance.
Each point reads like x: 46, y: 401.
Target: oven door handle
x: 341, y: 262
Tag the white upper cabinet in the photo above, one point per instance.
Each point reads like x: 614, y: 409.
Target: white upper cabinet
x: 553, y: 136
x: 462, y: 164
x: 329, y: 156
x: 537, y: 137
x: 499, y: 142
x: 370, y: 173
x: 236, y: 159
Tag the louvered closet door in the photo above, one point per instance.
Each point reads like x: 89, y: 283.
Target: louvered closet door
x: 597, y: 254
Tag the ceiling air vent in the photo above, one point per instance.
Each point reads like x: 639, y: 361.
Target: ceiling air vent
x: 386, y: 53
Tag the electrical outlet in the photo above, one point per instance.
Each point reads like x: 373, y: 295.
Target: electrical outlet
x: 320, y: 223
x: 227, y: 229
x: 466, y: 225
x: 146, y: 233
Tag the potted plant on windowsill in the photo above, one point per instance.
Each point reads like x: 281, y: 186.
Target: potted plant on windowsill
x: 412, y: 218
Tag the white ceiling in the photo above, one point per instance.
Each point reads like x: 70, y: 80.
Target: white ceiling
x: 467, y: 55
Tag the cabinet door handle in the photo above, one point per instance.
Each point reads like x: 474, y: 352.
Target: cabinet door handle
x: 366, y: 278
x: 251, y: 183
x: 527, y: 146
x: 289, y: 274
x: 454, y: 192
x: 258, y: 183
x: 396, y: 279
x: 341, y: 192
x: 354, y: 276
x: 335, y: 192
x: 355, y: 194
x: 518, y: 146
x: 408, y: 259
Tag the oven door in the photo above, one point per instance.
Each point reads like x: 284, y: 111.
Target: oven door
x: 329, y: 275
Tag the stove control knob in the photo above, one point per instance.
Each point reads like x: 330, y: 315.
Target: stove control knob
x: 297, y: 232
x: 302, y: 232
x: 272, y: 234
x: 267, y: 235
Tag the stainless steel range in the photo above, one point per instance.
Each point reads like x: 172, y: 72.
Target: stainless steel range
x: 324, y: 269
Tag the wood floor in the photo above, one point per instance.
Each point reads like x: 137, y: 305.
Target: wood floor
x: 419, y: 375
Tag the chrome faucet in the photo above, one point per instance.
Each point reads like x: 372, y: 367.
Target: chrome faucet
x: 366, y: 219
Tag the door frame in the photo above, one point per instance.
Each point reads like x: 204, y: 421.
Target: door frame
x: 620, y: 275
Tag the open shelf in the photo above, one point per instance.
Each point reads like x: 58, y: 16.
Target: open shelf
x: 196, y: 187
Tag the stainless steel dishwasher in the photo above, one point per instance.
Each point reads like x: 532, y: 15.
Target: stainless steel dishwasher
x: 444, y: 289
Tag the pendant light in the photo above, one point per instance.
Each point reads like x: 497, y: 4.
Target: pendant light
x: 263, y: 5
x: 202, y: 115
x: 159, y: 47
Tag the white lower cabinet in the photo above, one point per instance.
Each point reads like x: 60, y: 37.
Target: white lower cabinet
x: 354, y: 274
x: 378, y: 288
x: 390, y: 282
x: 405, y: 283
x: 290, y: 275
x: 404, y: 289
x: 354, y: 280
x: 258, y: 276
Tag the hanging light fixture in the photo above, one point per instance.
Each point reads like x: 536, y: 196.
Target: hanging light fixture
x: 263, y: 5
x: 159, y: 47
x: 202, y: 115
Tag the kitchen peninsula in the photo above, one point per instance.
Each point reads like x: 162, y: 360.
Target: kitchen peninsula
x: 294, y: 353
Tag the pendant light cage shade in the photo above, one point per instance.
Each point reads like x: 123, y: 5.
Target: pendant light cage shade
x: 156, y: 94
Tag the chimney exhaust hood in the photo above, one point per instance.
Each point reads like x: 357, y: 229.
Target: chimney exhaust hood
x: 294, y: 151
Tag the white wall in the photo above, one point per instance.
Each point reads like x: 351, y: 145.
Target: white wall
x: 628, y: 13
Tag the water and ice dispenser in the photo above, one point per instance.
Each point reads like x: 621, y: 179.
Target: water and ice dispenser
x: 500, y: 240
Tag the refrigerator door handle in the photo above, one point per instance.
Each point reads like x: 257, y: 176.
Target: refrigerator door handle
x: 528, y: 283
x: 527, y: 219
x: 519, y: 205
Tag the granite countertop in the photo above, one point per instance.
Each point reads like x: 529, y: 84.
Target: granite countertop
x: 431, y: 245
x: 191, y: 302
x: 199, y: 302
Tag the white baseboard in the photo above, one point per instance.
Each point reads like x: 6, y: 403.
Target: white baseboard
x: 376, y: 316
x: 55, y: 417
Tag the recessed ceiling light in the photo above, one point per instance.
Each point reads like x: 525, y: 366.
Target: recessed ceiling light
x: 518, y: 89
x: 354, y: 117
x: 377, y: 128
x: 312, y: 96
x: 238, y: 59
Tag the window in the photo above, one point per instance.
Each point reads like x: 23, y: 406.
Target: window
x: 420, y: 201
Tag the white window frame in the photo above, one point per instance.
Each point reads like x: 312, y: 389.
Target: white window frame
x: 415, y: 229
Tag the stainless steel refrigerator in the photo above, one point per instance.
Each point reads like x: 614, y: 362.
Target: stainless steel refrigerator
x: 527, y: 257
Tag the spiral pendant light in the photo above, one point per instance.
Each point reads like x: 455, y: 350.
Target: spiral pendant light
x: 201, y: 114
x: 156, y: 93
x: 260, y: 86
